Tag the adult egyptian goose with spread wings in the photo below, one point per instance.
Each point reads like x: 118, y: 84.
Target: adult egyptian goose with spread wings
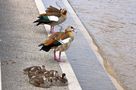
x: 52, y: 17
x: 59, y: 41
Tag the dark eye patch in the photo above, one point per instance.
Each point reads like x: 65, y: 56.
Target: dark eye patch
x: 72, y: 27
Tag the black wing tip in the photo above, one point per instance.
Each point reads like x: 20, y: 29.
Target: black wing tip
x: 44, y: 48
x: 35, y: 21
x: 40, y: 45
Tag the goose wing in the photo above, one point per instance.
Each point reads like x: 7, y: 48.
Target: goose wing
x: 53, y: 38
x: 64, y: 41
x: 47, y: 19
x: 65, y: 44
x: 53, y: 11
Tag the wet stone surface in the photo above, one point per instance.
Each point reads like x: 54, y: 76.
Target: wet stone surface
x: 112, y: 24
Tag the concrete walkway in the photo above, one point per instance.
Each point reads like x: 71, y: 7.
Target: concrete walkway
x: 112, y: 24
x: 19, y: 44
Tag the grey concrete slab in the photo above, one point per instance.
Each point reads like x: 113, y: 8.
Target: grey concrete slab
x: 87, y: 68
x: 19, y: 40
x: 112, y: 24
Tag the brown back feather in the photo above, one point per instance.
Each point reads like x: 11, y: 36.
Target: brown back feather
x: 53, y: 11
x: 55, y: 37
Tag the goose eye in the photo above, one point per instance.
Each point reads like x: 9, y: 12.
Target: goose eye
x: 72, y: 27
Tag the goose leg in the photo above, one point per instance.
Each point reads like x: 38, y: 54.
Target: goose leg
x: 55, y: 55
x: 52, y: 29
x: 59, y: 55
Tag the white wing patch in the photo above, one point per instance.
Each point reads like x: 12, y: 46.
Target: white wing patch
x: 53, y: 18
x: 65, y: 40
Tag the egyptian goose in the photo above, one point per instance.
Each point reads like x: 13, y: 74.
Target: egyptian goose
x: 59, y: 41
x: 52, y: 17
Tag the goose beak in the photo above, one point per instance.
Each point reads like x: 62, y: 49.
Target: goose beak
x: 74, y: 30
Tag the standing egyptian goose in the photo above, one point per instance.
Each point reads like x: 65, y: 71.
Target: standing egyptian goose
x: 59, y: 41
x: 52, y: 17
